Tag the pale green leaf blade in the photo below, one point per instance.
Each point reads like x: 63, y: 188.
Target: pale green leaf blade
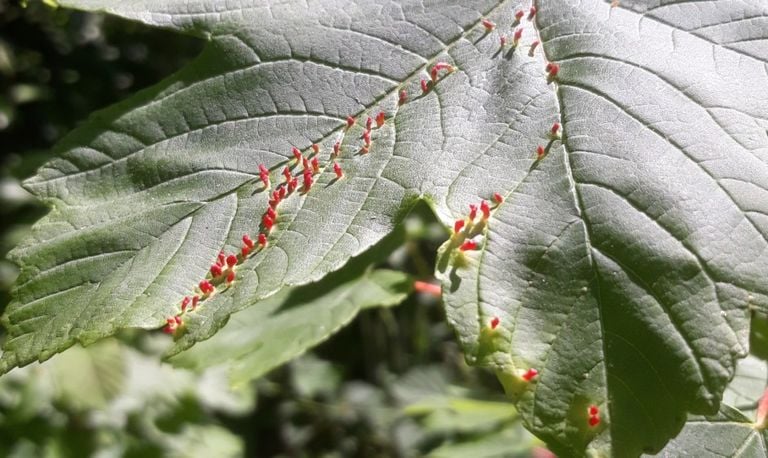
x: 284, y: 326
x: 729, y: 433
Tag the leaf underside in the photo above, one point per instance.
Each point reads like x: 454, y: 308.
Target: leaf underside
x: 621, y: 265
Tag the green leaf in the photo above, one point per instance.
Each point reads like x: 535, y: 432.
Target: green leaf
x: 259, y: 339
x: 747, y: 386
x: 621, y: 265
x: 729, y: 433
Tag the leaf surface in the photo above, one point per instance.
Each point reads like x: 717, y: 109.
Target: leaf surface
x: 621, y: 265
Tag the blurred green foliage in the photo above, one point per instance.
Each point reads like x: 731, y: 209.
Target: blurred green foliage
x: 393, y: 383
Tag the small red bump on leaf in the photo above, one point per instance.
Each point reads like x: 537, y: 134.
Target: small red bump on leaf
x: 495, y: 322
x: 424, y: 86
x: 519, y: 15
x: 468, y: 245
x: 245, y: 251
x: 533, y: 48
x: 267, y: 221
x: 530, y: 374
x: 170, y: 326
x: 337, y: 170
x: 472, y: 212
x: 594, y: 421
x: 364, y: 149
x: 502, y: 40
x: 403, y: 97
x: 247, y: 241
x: 518, y: 36
x: 336, y: 148
x: 287, y: 174
x: 222, y: 258
x: 185, y: 303
x: 553, y: 69
x: 427, y: 288
x: 293, y: 184
x: 231, y: 277
x: 593, y: 410
x: 380, y: 119
x: 272, y: 214
x: 350, y: 121
x: 485, y: 209
x: 206, y: 287
x: 540, y: 152
x: 555, y: 128
x: 231, y: 260
x: 215, y: 270
x: 296, y: 154
x: 367, y: 137
x: 262, y: 240
x: 195, y: 300
x: 315, y: 148
x: 444, y: 66
x: 305, y: 164
x: 369, y: 123
x: 761, y: 416
x: 458, y: 225
x: 498, y: 198
x: 532, y: 13
x: 281, y: 192
x: 488, y: 25
x: 307, y: 180
x: 433, y: 74
x: 315, y: 165
x: 264, y: 175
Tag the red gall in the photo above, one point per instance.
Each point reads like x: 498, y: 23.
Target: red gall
x: 593, y: 410
x: 262, y: 240
x: 485, y: 209
x: 495, y: 322
x: 245, y: 251
x: 427, y: 288
x: 552, y: 69
x: 380, y: 119
x: 185, y: 303
x: 287, y: 173
x: 424, y: 86
x: 433, y: 74
x: 555, y: 129
x: 530, y: 374
x: 221, y: 258
x: 403, y: 97
x: 231, y: 277
x: 472, y: 212
x: 307, y: 180
x: 264, y: 175
x: 206, y: 287
x: 216, y: 270
x: 518, y: 35
x: 172, y: 324
x: 305, y: 164
x: 231, y: 261
x: 268, y: 222
x: 497, y: 198
x: 458, y: 225
x: 296, y: 154
x: 293, y: 184
x: 488, y: 25
x: 540, y: 152
x: 367, y: 137
x: 503, y: 40
x: 281, y: 192
x: 350, y: 121
x: 468, y: 245
x: 594, y: 421
x: 315, y: 165
x: 533, y: 47
x: 195, y: 300
x: 315, y: 148
x: 336, y: 148
x: 519, y: 15
x: 337, y: 170
x: 369, y: 123
x: 272, y: 214
x: 531, y: 13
